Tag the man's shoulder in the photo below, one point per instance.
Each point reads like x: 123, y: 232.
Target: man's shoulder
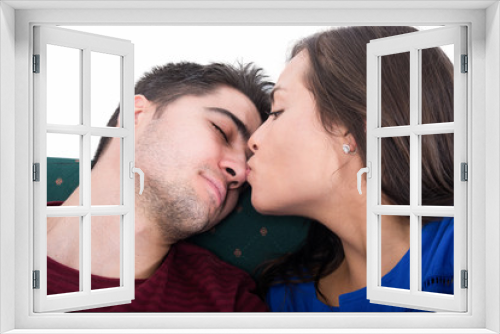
x: 193, y: 268
x: 198, y: 258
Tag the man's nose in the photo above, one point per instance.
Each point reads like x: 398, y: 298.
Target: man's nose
x: 234, y: 169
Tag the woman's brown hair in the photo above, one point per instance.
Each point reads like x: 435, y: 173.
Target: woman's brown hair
x: 337, y: 79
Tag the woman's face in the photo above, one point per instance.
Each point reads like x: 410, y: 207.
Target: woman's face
x: 295, y: 166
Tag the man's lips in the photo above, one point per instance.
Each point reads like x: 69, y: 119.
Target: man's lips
x: 218, y: 188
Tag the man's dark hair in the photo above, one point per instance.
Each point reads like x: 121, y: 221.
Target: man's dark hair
x: 165, y: 84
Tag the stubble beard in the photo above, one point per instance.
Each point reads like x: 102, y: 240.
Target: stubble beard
x: 175, y: 209
x: 172, y: 205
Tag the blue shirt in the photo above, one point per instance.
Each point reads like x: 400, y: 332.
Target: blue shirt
x: 437, y: 276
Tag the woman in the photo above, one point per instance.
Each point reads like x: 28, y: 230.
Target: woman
x: 305, y: 160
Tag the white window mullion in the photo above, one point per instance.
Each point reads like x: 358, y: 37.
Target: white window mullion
x: 414, y: 169
x: 86, y: 184
x: 434, y: 211
x: 392, y: 131
x: 81, y: 258
x: 39, y: 156
x: 124, y: 155
x: 372, y: 151
x: 75, y: 211
x: 422, y: 129
x: 81, y: 130
x: 86, y: 254
x: 128, y: 157
x: 406, y: 210
x: 392, y: 210
x: 67, y: 129
x: 379, y: 249
x: 460, y: 153
x: 433, y: 129
x: 122, y: 249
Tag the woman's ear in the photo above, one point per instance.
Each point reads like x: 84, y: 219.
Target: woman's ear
x: 349, y: 143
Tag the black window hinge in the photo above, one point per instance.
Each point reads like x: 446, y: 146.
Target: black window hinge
x: 36, y: 279
x: 36, y: 172
x: 464, y: 171
x: 465, y: 279
x: 465, y: 64
x: 36, y: 63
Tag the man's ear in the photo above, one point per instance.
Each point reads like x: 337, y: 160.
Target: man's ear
x: 141, y: 104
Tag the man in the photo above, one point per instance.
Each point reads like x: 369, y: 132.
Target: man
x: 192, y: 123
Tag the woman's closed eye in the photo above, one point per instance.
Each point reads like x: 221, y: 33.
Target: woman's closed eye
x: 275, y: 114
x: 223, y: 134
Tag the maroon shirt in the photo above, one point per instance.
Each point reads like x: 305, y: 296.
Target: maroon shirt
x: 190, y: 279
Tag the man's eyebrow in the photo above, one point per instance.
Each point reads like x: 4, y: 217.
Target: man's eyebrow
x: 242, y: 129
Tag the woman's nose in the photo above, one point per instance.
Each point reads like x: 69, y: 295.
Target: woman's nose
x: 252, y: 142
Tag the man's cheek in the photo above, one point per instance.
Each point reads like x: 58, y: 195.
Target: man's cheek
x: 231, y: 201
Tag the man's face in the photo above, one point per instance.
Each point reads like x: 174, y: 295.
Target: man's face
x: 194, y: 159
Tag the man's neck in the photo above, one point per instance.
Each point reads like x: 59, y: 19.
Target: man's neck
x: 63, y: 235
x: 150, y: 247
x: 63, y: 246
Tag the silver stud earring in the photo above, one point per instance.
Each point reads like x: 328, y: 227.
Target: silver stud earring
x: 346, y: 148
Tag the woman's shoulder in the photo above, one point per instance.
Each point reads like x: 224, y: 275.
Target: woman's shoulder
x: 437, y: 240
x: 294, y: 297
x: 437, y: 255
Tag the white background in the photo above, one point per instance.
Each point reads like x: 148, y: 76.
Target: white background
x: 266, y: 46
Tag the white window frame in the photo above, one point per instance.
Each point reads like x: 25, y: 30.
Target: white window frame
x: 16, y: 21
x: 413, y: 44
x: 85, y: 43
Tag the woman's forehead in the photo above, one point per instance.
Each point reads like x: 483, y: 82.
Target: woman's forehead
x: 293, y: 74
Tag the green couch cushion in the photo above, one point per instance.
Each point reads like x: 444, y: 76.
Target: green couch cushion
x: 245, y: 238
x: 63, y: 176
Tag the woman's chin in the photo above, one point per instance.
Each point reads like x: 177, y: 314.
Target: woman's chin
x: 260, y: 205
x: 266, y: 207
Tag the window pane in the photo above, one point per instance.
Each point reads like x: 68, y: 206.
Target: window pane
x: 437, y: 84
x: 63, y: 272
x: 395, y: 170
x: 437, y: 254
x: 106, y: 247
x: 395, y: 257
x: 395, y: 89
x: 105, y: 87
x: 437, y: 169
x: 63, y: 85
x: 113, y: 168
x: 63, y: 167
